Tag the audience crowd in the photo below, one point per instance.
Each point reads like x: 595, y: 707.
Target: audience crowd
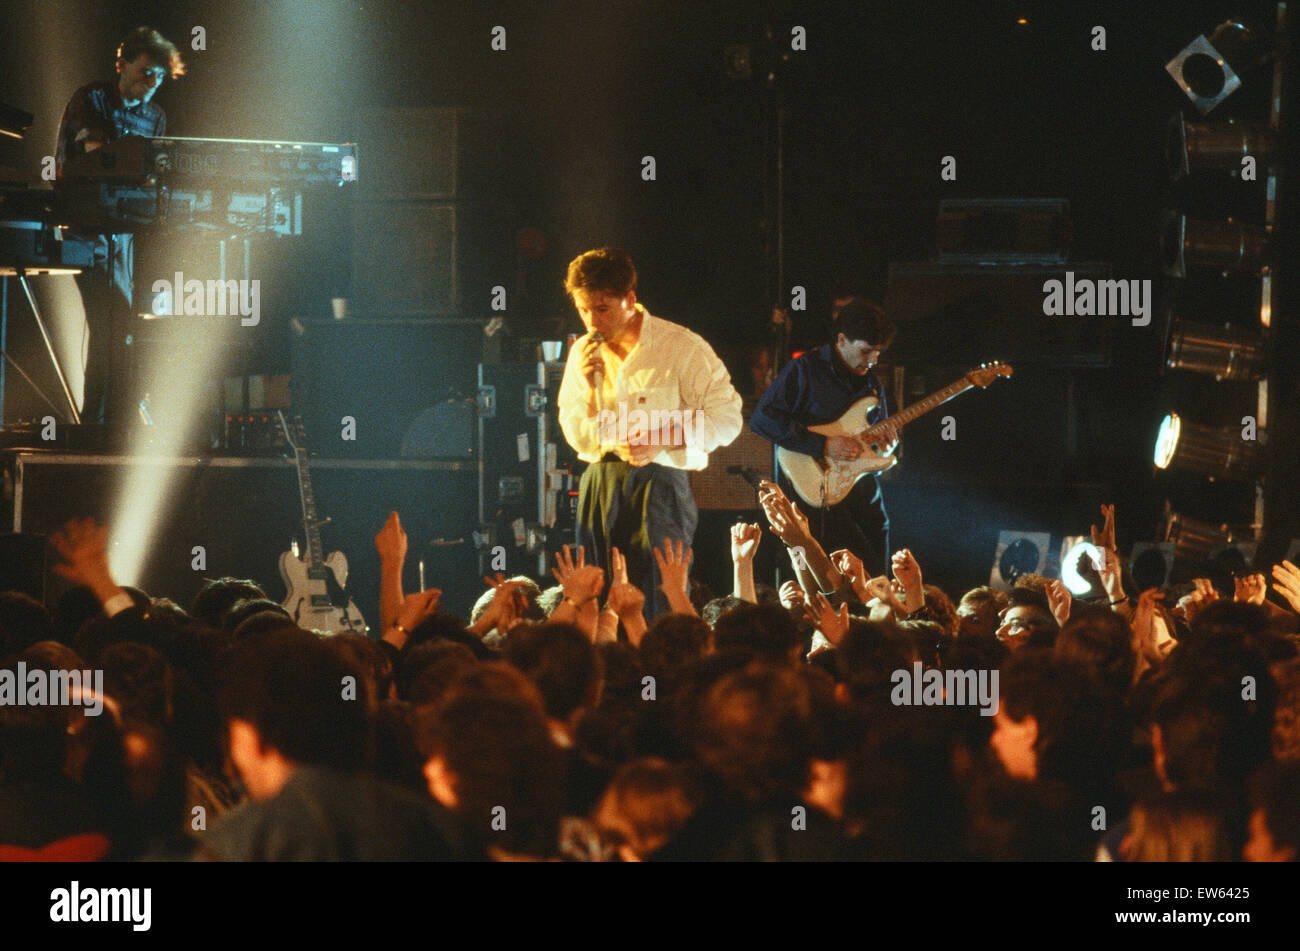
x: 839, y: 717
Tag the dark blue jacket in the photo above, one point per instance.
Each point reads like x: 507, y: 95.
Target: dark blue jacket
x: 812, y: 389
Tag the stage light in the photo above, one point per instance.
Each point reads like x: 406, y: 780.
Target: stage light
x: 1225, y: 353
x: 1209, y: 70
x: 1195, y: 540
x: 1077, y: 548
x: 1235, y: 559
x: 1218, y: 453
x: 1151, y: 563
x: 1198, y: 146
x: 1018, y: 553
x: 1218, y: 245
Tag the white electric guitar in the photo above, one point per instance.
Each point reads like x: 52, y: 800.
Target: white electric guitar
x: 316, y: 599
x: 821, y: 482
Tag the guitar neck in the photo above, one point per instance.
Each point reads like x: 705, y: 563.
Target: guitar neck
x: 936, y: 399
x: 315, y: 557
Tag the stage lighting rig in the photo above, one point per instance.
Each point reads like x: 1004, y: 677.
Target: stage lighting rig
x: 1217, y: 453
x: 1209, y: 70
x: 1225, y: 353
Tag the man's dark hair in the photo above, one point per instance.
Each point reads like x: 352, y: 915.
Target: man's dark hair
x: 290, y: 686
x: 862, y: 319
x: 755, y: 733
x: 498, y: 748
x: 369, y: 657
x: 140, y: 680
x: 245, y: 608
x: 33, y: 738
x: 161, y: 50
x: 1100, y: 639
x: 560, y: 660
x: 766, y: 629
x: 218, y: 596
x: 604, y: 270
x: 868, y: 656
x: 1210, y: 734
x: 1075, y: 722
x: 428, y: 670
x: 1275, y: 788
x: 23, y: 622
x: 720, y: 607
x: 672, y: 642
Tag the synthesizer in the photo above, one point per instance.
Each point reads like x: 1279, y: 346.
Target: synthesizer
x: 139, y: 160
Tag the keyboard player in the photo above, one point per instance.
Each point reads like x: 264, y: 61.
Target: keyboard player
x: 96, y: 115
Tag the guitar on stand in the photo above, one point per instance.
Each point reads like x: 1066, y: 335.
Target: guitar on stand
x: 825, y: 482
x: 317, y: 597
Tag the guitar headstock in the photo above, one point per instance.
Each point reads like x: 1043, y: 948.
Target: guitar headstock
x: 295, y: 433
x: 988, y: 372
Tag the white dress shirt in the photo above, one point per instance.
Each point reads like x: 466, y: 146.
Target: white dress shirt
x: 672, y: 376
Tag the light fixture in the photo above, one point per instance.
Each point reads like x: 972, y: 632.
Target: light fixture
x: 1195, y: 540
x: 1228, y: 245
x: 1199, y: 146
x: 1077, y: 549
x: 1225, y: 353
x: 1209, y: 70
x: 1018, y: 553
x: 1218, y: 453
x: 1151, y: 563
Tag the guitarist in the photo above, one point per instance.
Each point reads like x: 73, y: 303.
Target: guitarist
x: 816, y: 388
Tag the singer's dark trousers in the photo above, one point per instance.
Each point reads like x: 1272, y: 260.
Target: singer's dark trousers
x: 633, y: 509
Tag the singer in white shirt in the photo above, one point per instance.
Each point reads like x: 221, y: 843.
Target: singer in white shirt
x: 643, y: 400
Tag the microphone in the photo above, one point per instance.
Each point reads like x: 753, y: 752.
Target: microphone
x: 749, y: 474
x: 598, y: 383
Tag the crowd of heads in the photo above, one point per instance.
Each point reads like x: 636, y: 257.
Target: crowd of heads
x: 229, y: 732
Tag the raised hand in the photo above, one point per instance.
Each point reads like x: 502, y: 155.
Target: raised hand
x: 1287, y: 583
x: 1252, y: 588
x: 1105, y: 536
x: 792, y: 596
x: 584, y: 584
x: 1144, y: 629
x: 789, y: 524
x: 744, y: 540
x: 83, y: 545
x: 565, y: 565
x: 906, y: 569
x: 617, y: 566
x: 833, y: 624
x: 907, y: 572
x: 1192, y: 603
x: 1059, y: 600
x: 674, y: 566
x: 674, y: 574
x: 881, y: 589
x: 391, y: 541
x: 851, y: 567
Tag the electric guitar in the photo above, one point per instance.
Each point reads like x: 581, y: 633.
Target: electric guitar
x: 821, y: 482
x: 316, y: 599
